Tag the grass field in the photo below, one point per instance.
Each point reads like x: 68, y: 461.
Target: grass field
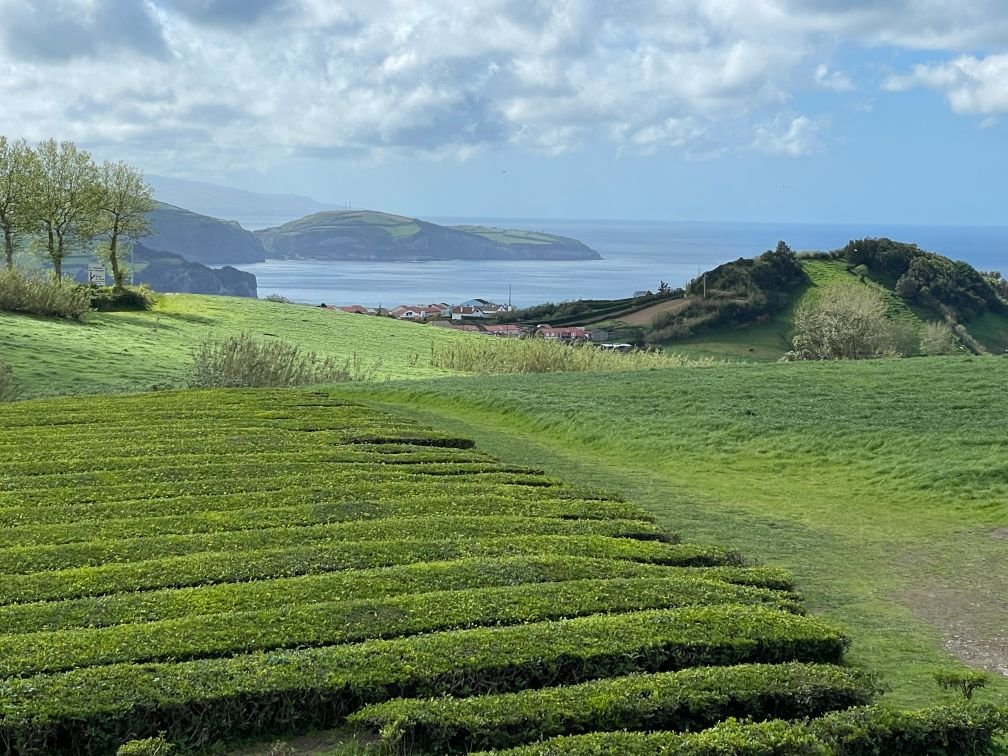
x: 125, y: 351
x: 882, y: 485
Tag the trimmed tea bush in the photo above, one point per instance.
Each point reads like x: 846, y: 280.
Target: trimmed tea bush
x: 692, y: 699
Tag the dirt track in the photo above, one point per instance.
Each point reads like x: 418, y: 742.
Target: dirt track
x: 643, y: 317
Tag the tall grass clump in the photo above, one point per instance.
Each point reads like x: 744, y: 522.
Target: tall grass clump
x: 244, y: 361
x: 41, y: 295
x: 541, y: 356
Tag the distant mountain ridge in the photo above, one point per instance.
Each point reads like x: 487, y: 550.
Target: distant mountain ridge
x: 370, y: 235
x: 251, y: 209
x: 201, y: 238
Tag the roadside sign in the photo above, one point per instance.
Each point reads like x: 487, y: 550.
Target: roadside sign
x: 96, y: 275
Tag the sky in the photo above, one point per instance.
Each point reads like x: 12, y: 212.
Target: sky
x: 889, y: 111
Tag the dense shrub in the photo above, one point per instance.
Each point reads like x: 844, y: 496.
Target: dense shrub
x: 41, y: 295
x: 937, y: 282
x: 927, y: 279
x: 844, y: 321
x: 244, y: 361
x: 884, y: 256
x: 938, y: 338
x: 111, y: 299
x: 766, y: 279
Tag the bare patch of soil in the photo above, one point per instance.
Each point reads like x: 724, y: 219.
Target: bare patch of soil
x: 643, y: 317
x: 1000, y: 533
x: 973, y: 625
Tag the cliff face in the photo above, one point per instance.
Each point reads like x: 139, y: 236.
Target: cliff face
x: 201, y: 238
x: 357, y: 235
x: 165, y: 271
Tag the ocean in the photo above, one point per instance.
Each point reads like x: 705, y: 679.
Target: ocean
x: 638, y: 255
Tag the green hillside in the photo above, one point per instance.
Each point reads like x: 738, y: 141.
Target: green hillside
x: 134, y: 351
x: 745, y: 309
x: 368, y: 235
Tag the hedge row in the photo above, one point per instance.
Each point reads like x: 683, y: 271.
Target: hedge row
x: 286, y: 625
x: 131, y: 547
x: 93, y: 710
x: 238, y: 468
x: 486, y: 485
x: 207, y: 568
x: 214, y: 453
x: 382, y: 582
x: 692, y: 699
x: 46, y: 522
x: 867, y: 731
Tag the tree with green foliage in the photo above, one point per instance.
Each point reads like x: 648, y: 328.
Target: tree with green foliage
x: 843, y: 321
x: 966, y: 681
x: 124, y: 201
x: 15, y: 169
x: 62, y: 198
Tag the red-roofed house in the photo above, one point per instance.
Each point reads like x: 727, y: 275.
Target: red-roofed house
x: 416, y: 312
x: 564, y: 333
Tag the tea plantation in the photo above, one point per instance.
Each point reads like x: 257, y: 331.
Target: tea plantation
x: 218, y: 566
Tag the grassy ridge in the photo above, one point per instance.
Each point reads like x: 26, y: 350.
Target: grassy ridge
x: 130, y: 351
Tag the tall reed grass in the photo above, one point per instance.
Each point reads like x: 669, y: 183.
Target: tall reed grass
x: 244, y: 361
x: 41, y: 295
x: 540, y: 356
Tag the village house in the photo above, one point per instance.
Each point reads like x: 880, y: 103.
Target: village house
x: 563, y: 333
x: 506, y: 331
x: 419, y: 312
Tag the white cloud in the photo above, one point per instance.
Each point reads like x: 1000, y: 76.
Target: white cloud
x: 834, y: 80
x: 206, y: 83
x: 794, y: 138
x: 973, y: 86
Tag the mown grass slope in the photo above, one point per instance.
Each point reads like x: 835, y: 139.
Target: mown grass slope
x: 122, y: 351
x: 227, y: 564
x: 881, y: 484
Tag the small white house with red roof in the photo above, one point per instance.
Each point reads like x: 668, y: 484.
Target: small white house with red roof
x: 563, y: 333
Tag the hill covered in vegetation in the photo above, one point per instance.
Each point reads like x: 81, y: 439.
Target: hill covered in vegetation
x: 201, y: 238
x: 746, y: 307
x: 366, y: 235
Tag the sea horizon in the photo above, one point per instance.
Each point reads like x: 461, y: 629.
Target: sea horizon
x: 637, y: 256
